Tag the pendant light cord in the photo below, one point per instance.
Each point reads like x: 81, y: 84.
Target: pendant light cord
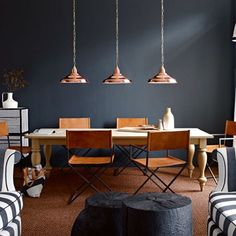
x: 74, y: 35
x: 162, y: 33
x: 117, y: 33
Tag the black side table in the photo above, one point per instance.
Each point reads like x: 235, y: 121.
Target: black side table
x: 157, y: 214
x: 103, y: 215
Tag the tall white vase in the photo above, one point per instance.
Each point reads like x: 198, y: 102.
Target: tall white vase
x: 168, y: 119
x: 9, y: 102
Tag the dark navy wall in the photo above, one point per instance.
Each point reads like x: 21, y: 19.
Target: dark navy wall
x: 234, y: 55
x: 37, y: 36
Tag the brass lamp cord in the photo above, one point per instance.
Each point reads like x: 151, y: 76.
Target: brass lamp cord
x: 117, y: 32
x: 74, y: 34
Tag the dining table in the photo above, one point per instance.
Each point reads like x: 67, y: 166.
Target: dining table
x: 124, y: 136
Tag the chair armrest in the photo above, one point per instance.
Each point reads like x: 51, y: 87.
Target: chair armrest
x: 7, y: 169
x: 216, y: 138
x: 224, y: 139
x: 218, y: 134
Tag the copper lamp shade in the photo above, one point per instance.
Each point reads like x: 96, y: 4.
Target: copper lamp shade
x: 117, y: 78
x: 162, y: 78
x: 74, y: 77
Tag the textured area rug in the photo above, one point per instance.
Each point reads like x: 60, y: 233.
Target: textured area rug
x: 51, y: 215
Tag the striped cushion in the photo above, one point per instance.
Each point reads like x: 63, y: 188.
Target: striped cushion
x: 11, y: 204
x: 222, y: 209
x: 212, y: 228
x: 14, y: 228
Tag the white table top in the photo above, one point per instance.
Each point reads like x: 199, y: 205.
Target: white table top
x: 116, y: 133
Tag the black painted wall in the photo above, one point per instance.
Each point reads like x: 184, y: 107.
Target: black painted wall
x: 199, y: 53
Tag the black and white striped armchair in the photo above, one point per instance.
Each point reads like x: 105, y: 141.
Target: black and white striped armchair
x: 11, y: 201
x: 222, y: 201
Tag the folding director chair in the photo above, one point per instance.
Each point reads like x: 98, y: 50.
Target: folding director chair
x: 90, y: 140
x: 166, y: 141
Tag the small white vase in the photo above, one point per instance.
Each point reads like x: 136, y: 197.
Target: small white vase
x: 9, y: 102
x: 160, y: 124
x: 168, y: 119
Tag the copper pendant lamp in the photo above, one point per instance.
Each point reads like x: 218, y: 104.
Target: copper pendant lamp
x: 162, y: 77
x: 234, y: 34
x: 117, y: 77
x: 74, y: 77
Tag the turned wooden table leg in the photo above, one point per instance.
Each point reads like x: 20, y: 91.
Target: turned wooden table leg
x: 202, y: 160
x: 47, y: 152
x: 190, y: 159
x: 36, y: 156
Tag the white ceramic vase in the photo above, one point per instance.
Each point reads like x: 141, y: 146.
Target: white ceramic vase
x: 160, y: 124
x: 8, y: 101
x: 168, y: 119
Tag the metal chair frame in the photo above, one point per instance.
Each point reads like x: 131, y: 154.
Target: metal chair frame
x: 129, y: 122
x: 126, y: 161
x: 4, y: 132
x: 230, y: 130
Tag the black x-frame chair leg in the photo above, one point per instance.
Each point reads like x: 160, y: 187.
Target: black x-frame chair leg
x: 145, y: 173
x: 153, y: 173
x: 88, y: 183
x: 126, y: 161
x: 211, y: 172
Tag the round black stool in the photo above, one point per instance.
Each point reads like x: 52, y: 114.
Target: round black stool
x: 103, y: 215
x: 158, y: 214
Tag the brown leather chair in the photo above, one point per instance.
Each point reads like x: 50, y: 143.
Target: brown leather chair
x: 4, y: 132
x: 76, y: 140
x: 130, y: 122
x: 230, y: 130
x: 77, y: 123
x: 162, y: 141
x: 74, y: 123
x: 222, y: 141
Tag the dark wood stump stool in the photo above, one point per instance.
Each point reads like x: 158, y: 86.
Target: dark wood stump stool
x: 103, y: 215
x: 158, y: 214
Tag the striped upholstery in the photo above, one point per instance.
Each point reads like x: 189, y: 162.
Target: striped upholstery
x: 222, y: 202
x: 13, y: 228
x: 7, y: 159
x: 222, y: 209
x: 11, y: 202
x: 10, y: 206
x: 226, y: 158
x: 213, y: 228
